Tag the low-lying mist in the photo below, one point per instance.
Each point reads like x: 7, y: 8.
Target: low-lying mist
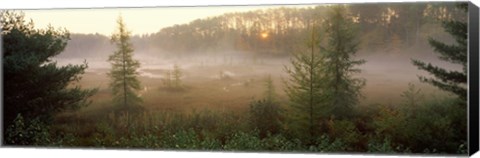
x: 387, y: 74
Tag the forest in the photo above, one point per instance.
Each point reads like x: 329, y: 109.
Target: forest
x: 387, y: 78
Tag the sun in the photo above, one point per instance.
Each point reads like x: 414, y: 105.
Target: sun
x: 264, y: 35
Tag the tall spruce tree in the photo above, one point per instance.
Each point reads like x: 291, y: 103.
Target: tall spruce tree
x: 34, y: 87
x: 123, y: 74
x: 341, y: 89
x: 451, y: 81
x: 304, y: 88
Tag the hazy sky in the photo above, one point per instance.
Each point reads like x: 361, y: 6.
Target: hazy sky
x: 138, y: 20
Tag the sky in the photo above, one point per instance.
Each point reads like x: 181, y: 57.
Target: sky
x: 138, y: 20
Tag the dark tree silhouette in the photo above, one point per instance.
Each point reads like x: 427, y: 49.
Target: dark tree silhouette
x: 34, y: 86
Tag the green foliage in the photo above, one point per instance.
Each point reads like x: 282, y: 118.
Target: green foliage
x: 341, y: 89
x: 104, y: 135
x: 347, y: 132
x: 382, y: 147
x: 123, y: 74
x: 304, y: 89
x: 279, y: 142
x: 412, y: 126
x: 184, y: 139
x: 321, y: 82
x: 270, y: 94
x: 24, y: 132
x: 34, y: 132
x: 265, y: 116
x: 325, y: 144
x: 36, y: 88
x: 412, y: 96
x: 244, y: 142
x: 449, y: 80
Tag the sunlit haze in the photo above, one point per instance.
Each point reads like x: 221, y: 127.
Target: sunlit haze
x: 139, y: 20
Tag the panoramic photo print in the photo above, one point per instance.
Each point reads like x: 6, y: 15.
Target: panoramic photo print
x: 380, y: 78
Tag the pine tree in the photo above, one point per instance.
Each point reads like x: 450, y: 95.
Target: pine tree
x: 341, y: 89
x: 304, y: 88
x: 123, y: 74
x: 451, y: 81
x: 34, y: 87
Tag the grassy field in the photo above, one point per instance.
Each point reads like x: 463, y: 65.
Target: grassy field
x: 211, y: 112
x: 204, y: 88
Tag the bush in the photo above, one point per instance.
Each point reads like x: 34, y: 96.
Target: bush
x: 436, y: 125
x: 346, y: 131
x: 383, y: 147
x: 188, y: 139
x: 324, y: 144
x: 25, y: 132
x: 265, y: 117
x: 280, y: 143
x: 242, y: 141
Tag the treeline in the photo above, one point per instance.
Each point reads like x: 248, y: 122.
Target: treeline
x: 384, y: 27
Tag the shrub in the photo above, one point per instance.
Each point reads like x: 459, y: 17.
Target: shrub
x: 27, y: 132
x: 280, y: 143
x: 265, y: 117
x: 243, y: 141
x: 324, y: 144
x: 346, y: 131
x: 436, y: 125
x: 382, y: 147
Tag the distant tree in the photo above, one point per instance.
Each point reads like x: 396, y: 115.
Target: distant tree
x: 450, y: 81
x: 265, y: 114
x: 304, y: 88
x: 270, y: 89
x: 177, y: 76
x: 412, y: 96
x: 34, y: 87
x: 123, y: 73
x: 341, y: 89
x: 167, y: 80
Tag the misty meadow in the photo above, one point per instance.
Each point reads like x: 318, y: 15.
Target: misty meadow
x: 377, y: 78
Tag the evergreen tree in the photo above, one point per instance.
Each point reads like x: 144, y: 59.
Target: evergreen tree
x: 265, y: 115
x: 304, y: 89
x: 270, y: 89
x: 34, y: 87
x: 177, y: 75
x: 123, y: 74
x: 451, y: 81
x: 341, y: 89
x: 167, y: 80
